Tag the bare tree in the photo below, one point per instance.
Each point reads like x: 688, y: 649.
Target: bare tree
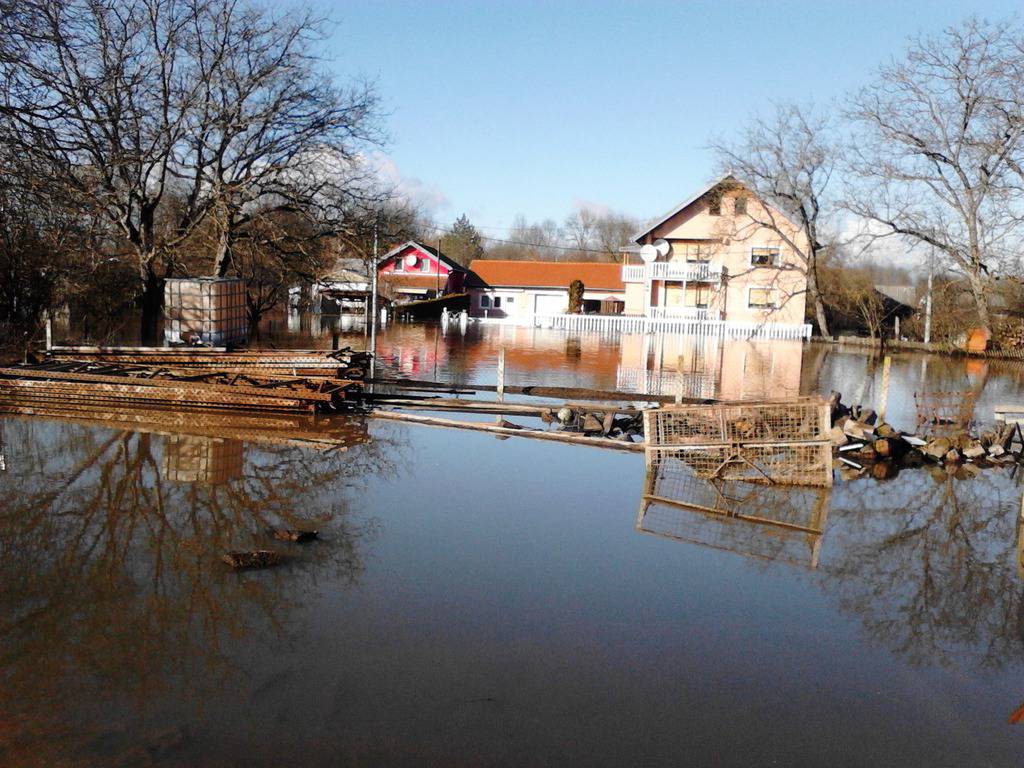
x: 272, y: 133
x: 938, y: 150
x: 160, y: 114
x: 787, y: 160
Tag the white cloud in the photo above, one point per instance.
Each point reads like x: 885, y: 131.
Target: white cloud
x: 598, y: 209
x: 428, y: 197
x: 868, y: 241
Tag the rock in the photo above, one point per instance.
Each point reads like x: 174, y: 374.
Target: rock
x: 260, y: 558
x: 974, y: 451
x: 565, y: 414
x: 838, y: 436
x: 858, y: 430
x: 967, y: 471
x: 846, y: 472
x: 953, y: 456
x: 292, y: 534
x: 937, y: 448
x: 885, y: 470
x: 592, y: 424
x: 867, y: 453
x: 608, y: 424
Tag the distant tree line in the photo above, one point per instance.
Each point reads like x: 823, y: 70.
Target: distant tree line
x: 585, y: 235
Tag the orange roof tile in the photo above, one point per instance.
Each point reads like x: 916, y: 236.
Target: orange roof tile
x: 548, y: 274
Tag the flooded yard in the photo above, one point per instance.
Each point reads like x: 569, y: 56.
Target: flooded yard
x: 482, y: 601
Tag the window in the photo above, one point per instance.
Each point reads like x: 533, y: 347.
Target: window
x: 698, y: 295
x: 741, y: 206
x: 497, y: 302
x: 699, y: 252
x: 763, y: 298
x: 485, y: 302
x: 510, y: 299
x: 715, y: 206
x: 764, y: 257
x: 399, y: 264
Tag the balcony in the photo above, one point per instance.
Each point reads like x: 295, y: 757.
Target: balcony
x: 672, y: 270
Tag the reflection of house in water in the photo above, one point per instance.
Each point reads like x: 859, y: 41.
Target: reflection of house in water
x: 199, y: 459
x: 709, y: 366
x: 771, y: 522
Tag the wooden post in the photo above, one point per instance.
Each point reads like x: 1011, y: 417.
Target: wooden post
x: 884, y: 395
x: 679, y: 389
x: 49, y: 332
x: 501, y: 374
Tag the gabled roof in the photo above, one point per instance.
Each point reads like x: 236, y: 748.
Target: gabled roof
x: 497, y: 273
x: 726, y: 179
x: 425, y: 248
x: 654, y: 223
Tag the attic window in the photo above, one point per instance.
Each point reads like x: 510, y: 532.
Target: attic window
x: 741, y: 206
x: 764, y: 257
x: 399, y: 264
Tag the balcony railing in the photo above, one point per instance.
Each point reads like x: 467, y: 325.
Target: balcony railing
x: 686, y: 313
x: 671, y: 270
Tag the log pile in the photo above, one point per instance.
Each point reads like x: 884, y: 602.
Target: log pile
x: 71, y: 384
x: 863, y: 443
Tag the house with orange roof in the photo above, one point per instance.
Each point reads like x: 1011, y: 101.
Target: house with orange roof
x: 522, y: 290
x: 720, y: 255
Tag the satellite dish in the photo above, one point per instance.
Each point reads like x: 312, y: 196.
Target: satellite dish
x: 412, y: 260
x: 662, y: 247
x: 648, y: 253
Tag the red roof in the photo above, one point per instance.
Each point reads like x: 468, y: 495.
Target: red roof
x: 547, y: 274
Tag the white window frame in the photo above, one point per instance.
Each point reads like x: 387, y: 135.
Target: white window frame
x: 778, y: 297
x: 778, y: 257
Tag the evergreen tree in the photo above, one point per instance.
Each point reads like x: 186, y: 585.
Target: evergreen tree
x: 464, y: 243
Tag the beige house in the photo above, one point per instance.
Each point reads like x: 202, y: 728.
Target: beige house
x: 721, y: 255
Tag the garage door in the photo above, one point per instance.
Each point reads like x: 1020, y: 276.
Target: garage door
x: 550, y: 305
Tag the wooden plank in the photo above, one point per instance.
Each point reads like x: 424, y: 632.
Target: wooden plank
x: 562, y: 437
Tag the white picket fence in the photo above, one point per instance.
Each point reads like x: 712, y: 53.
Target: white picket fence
x: 682, y: 325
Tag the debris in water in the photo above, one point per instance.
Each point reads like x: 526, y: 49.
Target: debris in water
x: 260, y: 558
x: 293, y: 534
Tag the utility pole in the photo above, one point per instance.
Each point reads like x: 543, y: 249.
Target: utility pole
x: 373, y: 306
x: 437, y: 268
x: 928, y: 301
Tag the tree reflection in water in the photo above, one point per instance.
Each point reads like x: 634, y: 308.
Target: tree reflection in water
x: 110, y: 576
x: 930, y: 564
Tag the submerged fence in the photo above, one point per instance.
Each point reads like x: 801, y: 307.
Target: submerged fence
x: 681, y: 325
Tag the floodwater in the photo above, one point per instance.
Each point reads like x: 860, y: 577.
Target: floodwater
x: 474, y: 601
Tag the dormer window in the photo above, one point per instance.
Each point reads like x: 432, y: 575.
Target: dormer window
x: 740, y: 206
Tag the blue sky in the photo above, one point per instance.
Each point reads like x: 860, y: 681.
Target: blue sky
x: 499, y: 108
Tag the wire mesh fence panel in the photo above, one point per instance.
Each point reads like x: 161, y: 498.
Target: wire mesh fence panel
x: 785, y: 442
x: 754, y: 520
x: 747, y: 422
x: 211, y: 309
x: 940, y: 413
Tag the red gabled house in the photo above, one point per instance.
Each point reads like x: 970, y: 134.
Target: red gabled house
x: 413, y: 271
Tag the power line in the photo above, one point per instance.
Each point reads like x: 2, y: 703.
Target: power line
x: 569, y: 248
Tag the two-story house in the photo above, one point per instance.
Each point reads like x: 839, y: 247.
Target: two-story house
x: 721, y: 254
